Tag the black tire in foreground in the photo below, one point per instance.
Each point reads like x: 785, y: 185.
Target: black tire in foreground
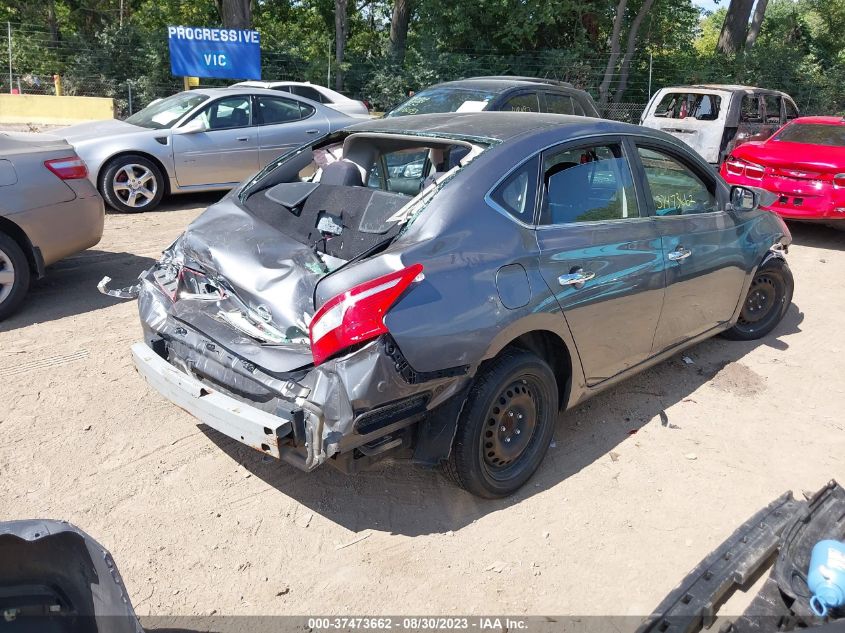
x: 506, y: 425
x: 767, y: 301
x: 14, y: 276
x: 131, y: 184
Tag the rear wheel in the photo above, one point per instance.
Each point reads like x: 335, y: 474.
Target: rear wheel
x: 14, y: 276
x: 506, y: 425
x: 132, y: 184
x: 765, y: 304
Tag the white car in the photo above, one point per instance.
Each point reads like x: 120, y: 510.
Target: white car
x: 320, y: 94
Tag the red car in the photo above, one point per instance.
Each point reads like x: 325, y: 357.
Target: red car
x: 803, y: 164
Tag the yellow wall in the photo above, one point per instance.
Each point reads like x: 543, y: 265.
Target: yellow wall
x: 51, y: 109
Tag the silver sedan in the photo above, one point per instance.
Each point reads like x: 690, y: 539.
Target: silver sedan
x: 48, y: 211
x: 200, y: 140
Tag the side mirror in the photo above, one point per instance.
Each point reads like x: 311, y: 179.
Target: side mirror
x: 195, y: 125
x: 743, y: 199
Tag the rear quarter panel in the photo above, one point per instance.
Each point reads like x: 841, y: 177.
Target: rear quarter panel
x: 455, y: 317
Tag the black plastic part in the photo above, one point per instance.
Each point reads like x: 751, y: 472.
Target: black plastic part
x: 750, y: 549
x: 824, y: 519
x: 291, y: 194
x: 38, y: 260
x: 436, y: 432
x: 389, y: 413
x: 412, y: 376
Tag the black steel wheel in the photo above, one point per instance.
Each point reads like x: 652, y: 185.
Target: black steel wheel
x: 765, y: 304
x: 506, y: 425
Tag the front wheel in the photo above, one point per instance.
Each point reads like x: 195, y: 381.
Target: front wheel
x: 765, y: 304
x: 506, y: 425
x: 132, y: 184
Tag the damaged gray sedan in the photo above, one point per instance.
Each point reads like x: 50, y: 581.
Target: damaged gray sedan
x: 439, y: 287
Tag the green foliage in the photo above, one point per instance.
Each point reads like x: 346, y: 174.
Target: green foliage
x: 98, y: 51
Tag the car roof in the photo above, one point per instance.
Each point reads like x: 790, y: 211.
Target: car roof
x: 281, y: 82
x: 497, y: 84
x: 251, y: 89
x: 493, y: 126
x: 728, y: 88
x: 823, y: 120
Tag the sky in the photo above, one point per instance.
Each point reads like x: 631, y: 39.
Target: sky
x: 710, y: 5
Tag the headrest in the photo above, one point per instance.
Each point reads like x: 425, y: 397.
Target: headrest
x: 342, y: 172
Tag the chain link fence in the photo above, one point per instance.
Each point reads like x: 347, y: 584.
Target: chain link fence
x: 133, y: 70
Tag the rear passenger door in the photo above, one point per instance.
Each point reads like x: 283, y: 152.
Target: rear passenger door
x: 600, y: 255
x: 285, y: 124
x: 701, y: 246
x: 557, y: 103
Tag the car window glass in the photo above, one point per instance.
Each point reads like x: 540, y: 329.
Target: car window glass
x: 227, y: 113
x: 282, y: 88
x: 518, y: 192
x: 577, y: 108
x: 681, y: 105
x: 522, y: 103
x: 559, y: 104
x: 675, y: 189
x: 813, y: 134
x: 306, y: 110
x: 405, y: 171
x: 273, y: 110
x: 587, y: 184
x: 791, y: 110
x: 772, y: 108
x: 750, y: 110
x: 307, y: 92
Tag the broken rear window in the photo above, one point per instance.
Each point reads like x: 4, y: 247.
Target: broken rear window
x: 813, y: 134
x: 684, y: 105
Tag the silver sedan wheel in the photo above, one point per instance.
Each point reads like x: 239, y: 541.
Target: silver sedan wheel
x: 7, y: 276
x: 134, y: 185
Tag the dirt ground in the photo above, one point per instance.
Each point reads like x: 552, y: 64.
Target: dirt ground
x: 640, y: 483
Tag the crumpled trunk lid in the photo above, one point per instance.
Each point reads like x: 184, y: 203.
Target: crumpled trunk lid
x: 269, y: 280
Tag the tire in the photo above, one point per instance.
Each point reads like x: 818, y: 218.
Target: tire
x: 14, y: 276
x: 144, y: 184
x: 765, y: 304
x: 491, y: 457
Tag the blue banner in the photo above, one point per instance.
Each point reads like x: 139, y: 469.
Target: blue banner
x: 221, y: 53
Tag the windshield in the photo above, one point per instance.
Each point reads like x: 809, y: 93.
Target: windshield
x: 163, y: 114
x: 813, y: 134
x: 444, y: 100
x: 682, y: 105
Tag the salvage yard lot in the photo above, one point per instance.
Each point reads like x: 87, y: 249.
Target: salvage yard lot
x: 640, y: 483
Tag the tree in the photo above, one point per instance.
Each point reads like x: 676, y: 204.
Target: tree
x: 614, y: 52
x: 235, y: 14
x: 733, y: 32
x: 756, y: 23
x: 633, y: 32
x: 399, y: 21
x: 341, y: 28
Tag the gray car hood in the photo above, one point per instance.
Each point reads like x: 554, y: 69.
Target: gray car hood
x: 98, y: 130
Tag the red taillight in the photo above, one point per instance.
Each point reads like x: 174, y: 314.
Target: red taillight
x: 72, y: 168
x: 734, y: 167
x: 839, y: 180
x: 755, y: 172
x: 739, y: 167
x: 357, y: 315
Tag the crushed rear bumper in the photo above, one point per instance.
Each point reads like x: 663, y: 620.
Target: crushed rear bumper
x: 266, y: 432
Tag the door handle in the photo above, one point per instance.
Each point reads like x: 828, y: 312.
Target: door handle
x: 575, y: 278
x: 312, y: 131
x: 242, y: 138
x: 678, y: 255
